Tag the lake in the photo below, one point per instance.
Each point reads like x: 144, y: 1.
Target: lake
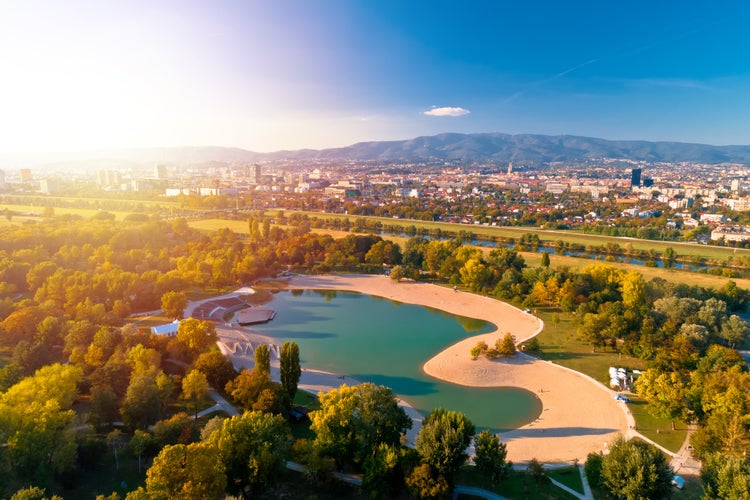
x: 385, y: 342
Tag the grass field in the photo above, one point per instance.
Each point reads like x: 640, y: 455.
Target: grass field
x: 657, y: 429
x: 85, y: 213
x: 518, y: 485
x: 559, y: 344
x: 569, y: 476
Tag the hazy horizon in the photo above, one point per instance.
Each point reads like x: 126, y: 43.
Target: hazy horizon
x: 85, y: 75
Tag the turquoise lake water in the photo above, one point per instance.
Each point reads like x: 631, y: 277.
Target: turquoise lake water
x: 385, y: 342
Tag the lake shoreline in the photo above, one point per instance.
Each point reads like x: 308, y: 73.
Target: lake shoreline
x: 579, y: 415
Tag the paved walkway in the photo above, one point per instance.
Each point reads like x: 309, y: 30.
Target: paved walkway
x: 221, y: 405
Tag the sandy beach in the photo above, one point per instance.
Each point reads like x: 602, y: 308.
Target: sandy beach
x: 579, y: 415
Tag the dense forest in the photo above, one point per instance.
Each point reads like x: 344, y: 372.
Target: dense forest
x: 80, y: 377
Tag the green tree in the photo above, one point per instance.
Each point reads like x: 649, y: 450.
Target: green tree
x: 262, y: 356
x: 665, y: 393
x: 425, y: 483
x: 290, y: 368
x: 668, y: 257
x: 733, y: 331
x: 104, y: 407
x: 140, y: 443
x: 725, y: 478
x: 33, y: 493
x: 506, y: 346
x: 198, y: 336
x: 217, y: 368
x: 397, y: 273
x: 443, y: 440
x: 195, y: 388
x: 173, y: 304
x: 142, y: 405
x: 186, y: 471
x: 545, y: 259
x: 636, y: 470
x: 353, y: 421
x: 384, y: 474
x: 252, y: 449
x: 247, y: 387
x: 490, y: 457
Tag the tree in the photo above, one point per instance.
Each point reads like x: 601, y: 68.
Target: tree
x: 142, y: 405
x: 397, y: 273
x: 384, y: 475
x: 506, y: 346
x: 733, y: 331
x: 545, y: 259
x: 668, y: 257
x: 195, y: 388
x: 247, y: 387
x: 290, y: 368
x: 443, y: 440
x: 186, y: 471
x: 262, y: 356
x: 252, y: 449
x: 180, y: 428
x: 173, y: 304
x: 424, y: 482
x: 33, y: 493
x: 490, y: 457
x: 217, y: 368
x: 353, y: 421
x: 104, y: 407
x: 198, y: 336
x: 725, y: 478
x: 635, y: 470
x: 140, y: 443
x: 664, y: 392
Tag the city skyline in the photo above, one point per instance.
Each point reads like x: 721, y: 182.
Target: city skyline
x: 289, y: 75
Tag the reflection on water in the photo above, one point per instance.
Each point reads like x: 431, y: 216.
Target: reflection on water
x: 385, y: 342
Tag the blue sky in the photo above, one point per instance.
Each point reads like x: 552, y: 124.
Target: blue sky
x: 282, y: 74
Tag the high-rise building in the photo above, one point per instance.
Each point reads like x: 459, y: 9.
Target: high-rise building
x: 635, y: 177
x: 160, y: 171
x: 257, y: 174
x: 25, y: 174
x: 510, y: 168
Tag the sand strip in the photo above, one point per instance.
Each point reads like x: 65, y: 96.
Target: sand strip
x: 579, y: 415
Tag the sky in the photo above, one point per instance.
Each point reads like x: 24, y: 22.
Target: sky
x: 269, y: 75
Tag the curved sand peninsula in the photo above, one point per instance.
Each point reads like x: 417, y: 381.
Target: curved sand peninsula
x: 579, y: 415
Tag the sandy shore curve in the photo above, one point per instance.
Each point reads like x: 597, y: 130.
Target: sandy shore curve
x: 579, y: 414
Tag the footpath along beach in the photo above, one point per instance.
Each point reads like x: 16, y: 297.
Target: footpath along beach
x: 579, y: 415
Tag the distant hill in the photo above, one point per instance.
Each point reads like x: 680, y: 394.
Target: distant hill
x: 528, y: 147
x: 443, y: 147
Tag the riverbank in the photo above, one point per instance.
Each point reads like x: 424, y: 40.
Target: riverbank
x: 579, y: 415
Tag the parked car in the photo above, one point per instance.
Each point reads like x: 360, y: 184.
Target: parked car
x: 623, y: 398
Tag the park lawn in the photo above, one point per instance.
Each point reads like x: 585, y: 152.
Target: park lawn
x: 560, y: 345
x: 85, y: 213
x: 518, y: 485
x: 658, y: 429
x: 569, y: 476
x: 311, y: 402
x: 686, y: 277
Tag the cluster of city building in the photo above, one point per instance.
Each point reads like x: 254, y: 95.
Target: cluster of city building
x: 691, y: 194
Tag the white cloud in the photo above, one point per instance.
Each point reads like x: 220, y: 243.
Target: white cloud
x: 446, y: 111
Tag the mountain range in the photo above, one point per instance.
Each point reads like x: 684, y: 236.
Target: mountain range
x: 485, y: 147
